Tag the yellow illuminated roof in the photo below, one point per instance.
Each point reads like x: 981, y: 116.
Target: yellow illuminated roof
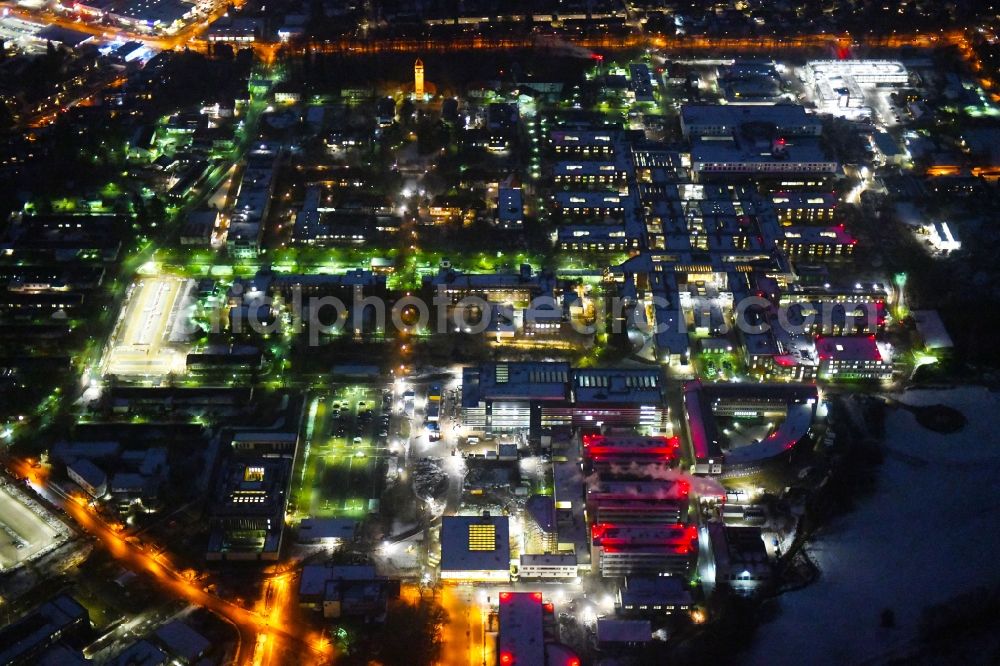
x: 482, y: 537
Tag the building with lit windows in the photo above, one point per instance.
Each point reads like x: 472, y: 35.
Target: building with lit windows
x: 723, y: 119
x: 475, y: 549
x: 596, y: 238
x: 510, y: 208
x: 593, y: 204
x: 589, y: 172
x: 152, y: 16
x: 735, y: 425
x: 548, y: 566
x: 647, y: 596
x: 652, y: 550
x: 248, y: 512
x: 585, y: 144
x: 853, y: 357
x: 865, y: 72
x: 246, y: 226
x: 740, y: 558
x: 819, y: 318
x: 740, y: 156
x: 238, y: 30
x: 797, y: 208
x: 817, y: 243
x: 504, y: 397
x: 418, y: 78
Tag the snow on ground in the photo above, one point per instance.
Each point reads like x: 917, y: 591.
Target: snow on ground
x: 927, y: 534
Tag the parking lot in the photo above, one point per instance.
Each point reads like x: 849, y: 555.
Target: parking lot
x: 24, y: 532
x: 343, y: 465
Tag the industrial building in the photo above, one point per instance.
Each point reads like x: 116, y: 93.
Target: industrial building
x: 654, y: 550
x: 722, y: 120
x: 653, y: 596
x: 475, y: 549
x: 527, y: 632
x: 527, y: 396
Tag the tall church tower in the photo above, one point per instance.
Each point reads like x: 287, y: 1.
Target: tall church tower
x: 418, y: 78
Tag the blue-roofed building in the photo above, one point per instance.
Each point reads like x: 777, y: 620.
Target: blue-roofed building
x: 526, y: 396
x: 724, y: 119
x: 26, y: 640
x: 475, y: 549
x: 140, y: 653
x: 180, y: 640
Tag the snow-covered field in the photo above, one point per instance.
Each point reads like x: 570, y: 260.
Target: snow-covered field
x: 929, y: 532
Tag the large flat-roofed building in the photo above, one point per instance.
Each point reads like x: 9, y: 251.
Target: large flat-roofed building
x: 631, y: 448
x: 724, y: 119
x: 183, y: 642
x: 549, y: 566
x: 654, y: 550
x: 528, y: 395
x: 787, y: 409
x: 793, y: 208
x: 516, y: 288
x: 503, y: 396
x: 865, y: 72
x: 266, y: 443
x: 640, y: 82
x: 653, y: 596
x: 589, y: 172
x: 475, y: 549
x: 248, y: 514
x: 740, y: 558
x: 154, y: 15
x: 327, y: 531
x: 615, y: 501
x: 852, y: 357
x: 253, y: 203
x: 614, y: 396
x: 741, y: 156
x: 94, y: 8
x: 595, y: 238
x: 825, y: 318
x: 653, y: 491
x: 235, y: 30
x: 540, y: 522
x: 640, y: 511
x: 510, y: 208
x: 614, y: 633
x: 596, y: 203
x: 817, y: 243
x: 346, y: 591
x: 585, y: 143
x: 27, y: 640
x: 523, y: 637
x: 839, y: 84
